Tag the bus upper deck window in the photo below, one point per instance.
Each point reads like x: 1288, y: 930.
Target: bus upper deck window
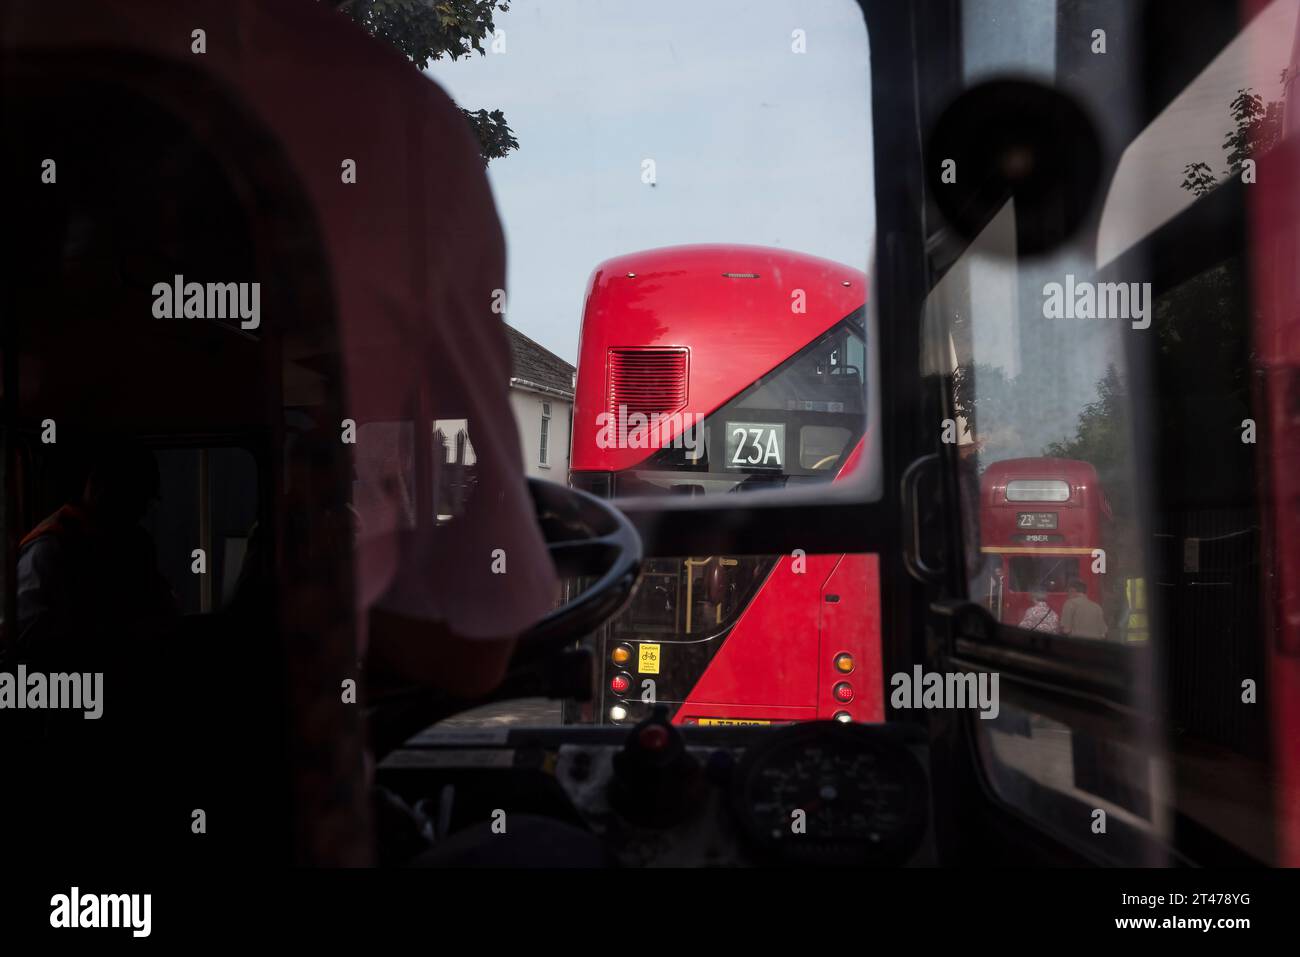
x: 1049, y: 490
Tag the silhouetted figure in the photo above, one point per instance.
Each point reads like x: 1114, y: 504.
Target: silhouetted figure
x: 89, y: 567
x: 91, y: 600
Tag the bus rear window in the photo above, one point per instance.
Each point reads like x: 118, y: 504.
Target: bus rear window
x: 1025, y: 490
x: 1031, y: 573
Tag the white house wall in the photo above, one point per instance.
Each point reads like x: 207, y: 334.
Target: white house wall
x: 527, y: 407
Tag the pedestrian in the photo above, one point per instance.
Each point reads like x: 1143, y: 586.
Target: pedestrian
x: 1081, y: 617
x: 1039, y: 616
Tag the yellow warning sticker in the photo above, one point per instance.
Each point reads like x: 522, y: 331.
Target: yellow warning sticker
x: 647, y: 662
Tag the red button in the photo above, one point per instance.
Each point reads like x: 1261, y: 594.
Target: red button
x: 620, y: 684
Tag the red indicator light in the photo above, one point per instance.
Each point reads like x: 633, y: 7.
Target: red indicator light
x: 619, y: 684
x: 653, y: 737
x: 843, y: 692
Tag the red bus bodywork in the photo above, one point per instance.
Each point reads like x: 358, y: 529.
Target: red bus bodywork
x: 684, y: 332
x: 1041, y: 520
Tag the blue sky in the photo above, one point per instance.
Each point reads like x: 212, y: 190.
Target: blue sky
x: 752, y: 143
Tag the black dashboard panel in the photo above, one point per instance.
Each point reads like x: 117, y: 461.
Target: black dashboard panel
x: 815, y: 794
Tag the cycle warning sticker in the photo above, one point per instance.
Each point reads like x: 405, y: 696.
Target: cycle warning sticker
x: 647, y: 662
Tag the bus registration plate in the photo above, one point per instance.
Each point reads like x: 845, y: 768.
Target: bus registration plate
x: 718, y: 721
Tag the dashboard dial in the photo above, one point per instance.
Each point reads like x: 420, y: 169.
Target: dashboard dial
x: 831, y: 794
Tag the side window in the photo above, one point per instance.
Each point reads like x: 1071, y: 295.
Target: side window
x: 855, y: 357
x: 546, y: 430
x: 208, y: 501
x: 692, y: 596
x: 1042, y: 431
x: 453, y: 469
x: 819, y: 379
x: 1104, y: 437
x: 386, y: 483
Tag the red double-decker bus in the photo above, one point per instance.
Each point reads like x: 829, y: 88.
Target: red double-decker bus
x: 716, y: 369
x: 1043, y: 522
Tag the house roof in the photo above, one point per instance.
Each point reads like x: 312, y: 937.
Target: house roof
x: 536, y: 365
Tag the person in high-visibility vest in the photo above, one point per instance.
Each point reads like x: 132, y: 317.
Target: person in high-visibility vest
x: 1136, y: 626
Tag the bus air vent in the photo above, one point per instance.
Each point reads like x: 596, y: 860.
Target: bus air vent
x: 647, y: 380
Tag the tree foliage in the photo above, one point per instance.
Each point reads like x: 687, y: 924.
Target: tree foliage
x: 428, y: 30
x: 1101, y: 438
x: 1198, y: 178
x: 1256, y: 128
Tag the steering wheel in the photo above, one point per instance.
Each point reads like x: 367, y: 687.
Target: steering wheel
x: 587, y: 538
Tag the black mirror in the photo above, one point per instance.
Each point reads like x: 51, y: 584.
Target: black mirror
x: 1015, y: 140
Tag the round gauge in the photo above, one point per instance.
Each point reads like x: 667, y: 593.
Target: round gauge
x: 831, y: 794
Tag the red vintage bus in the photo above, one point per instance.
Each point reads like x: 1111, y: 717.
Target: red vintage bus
x: 714, y: 369
x: 1043, y: 522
